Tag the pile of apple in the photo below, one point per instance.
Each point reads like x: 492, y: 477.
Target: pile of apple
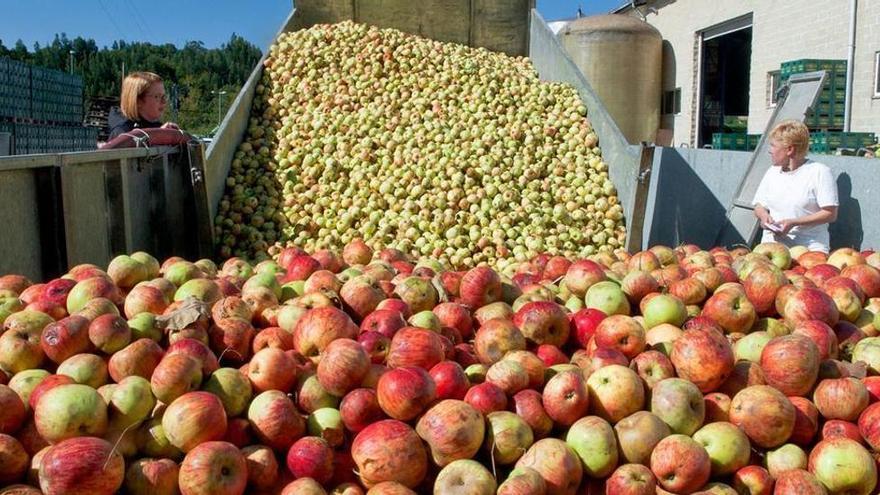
x: 665, y: 371
x: 435, y: 149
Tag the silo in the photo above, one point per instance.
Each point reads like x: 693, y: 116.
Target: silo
x: 621, y: 57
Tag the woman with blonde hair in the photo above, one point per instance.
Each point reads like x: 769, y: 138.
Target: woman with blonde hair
x: 797, y: 197
x: 141, y: 105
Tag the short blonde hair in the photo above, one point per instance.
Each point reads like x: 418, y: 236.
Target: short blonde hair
x: 792, y: 133
x: 133, y: 87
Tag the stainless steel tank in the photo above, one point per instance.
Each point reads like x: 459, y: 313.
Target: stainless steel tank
x: 622, y: 58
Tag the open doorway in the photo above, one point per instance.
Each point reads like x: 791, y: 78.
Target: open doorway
x: 725, y: 68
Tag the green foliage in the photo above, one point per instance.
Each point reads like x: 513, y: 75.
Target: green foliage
x: 193, y: 70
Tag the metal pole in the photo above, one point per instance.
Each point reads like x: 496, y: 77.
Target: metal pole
x: 850, y: 58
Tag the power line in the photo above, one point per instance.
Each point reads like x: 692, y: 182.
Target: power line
x: 139, y: 20
x: 112, y: 20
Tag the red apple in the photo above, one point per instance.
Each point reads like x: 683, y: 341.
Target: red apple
x: 704, y: 357
x: 194, y: 418
x: 480, y: 286
x: 556, y: 462
x: 806, y: 422
x: 456, y: 316
x: 615, y: 392
x: 495, y: 338
x: 65, y: 337
x: 311, y: 457
x: 412, y: 346
x: 13, y: 460
x: 405, y: 392
x: 360, y: 408
x: 791, y: 364
x: 82, y: 465
x: 275, y: 420
x: 486, y: 397
x: 566, y: 398
x: 753, y: 480
x: 584, y: 324
x: 450, y: 379
x: 631, y: 479
x: 528, y: 404
x: 764, y: 414
x: 213, y: 467
x: 841, y: 398
x: 453, y: 430
x: 798, y: 482
x: 384, y: 321
x: 152, y: 477
x: 730, y: 309
x: 810, y: 304
x: 869, y: 425
x: 838, y: 428
x: 318, y: 327
x: 621, y: 332
x: 375, y: 344
x: 389, y: 450
x: 680, y: 464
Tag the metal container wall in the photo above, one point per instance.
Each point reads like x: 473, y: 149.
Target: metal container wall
x: 622, y: 58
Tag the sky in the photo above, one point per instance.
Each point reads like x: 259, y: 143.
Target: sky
x: 162, y: 21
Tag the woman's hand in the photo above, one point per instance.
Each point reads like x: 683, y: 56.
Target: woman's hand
x: 170, y: 125
x: 787, y: 225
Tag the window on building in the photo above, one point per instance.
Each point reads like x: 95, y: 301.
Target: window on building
x: 671, y: 103
x: 877, y: 75
x: 773, y: 83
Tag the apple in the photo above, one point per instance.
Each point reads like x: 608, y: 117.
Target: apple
x: 843, y: 466
x: 405, y: 392
x: 593, y: 440
x: 556, y: 462
x: 275, y: 420
x: 495, y: 338
x: 65, y: 337
x: 806, y: 422
x: 731, y: 310
x: 608, y: 297
x: 152, y: 477
x: 664, y: 308
x: 543, y: 322
x: 841, y: 398
x: 761, y: 287
x: 652, y: 366
x: 867, y: 351
x: 131, y: 402
x: 522, y: 481
x: 311, y: 457
x: 728, y: 447
x: 262, y: 466
x: 465, y: 476
x: 82, y: 465
x: 679, y: 403
x: 581, y: 275
x: 192, y: 419
x: 92, y: 288
x: 623, y: 333
x: 811, y: 304
x: 13, y: 459
x: 565, y: 397
x: 213, y: 467
x: 413, y: 346
x: 764, y: 414
x: 508, y: 375
x: 631, y: 479
x: 615, y: 392
x: 750, y: 347
x: 717, y: 407
x: 452, y: 429
x: 389, y: 450
x: 70, y: 410
x: 791, y: 364
x: 822, y: 335
x: 175, y: 375
x: 680, y: 464
x: 703, y: 356
x: 318, y: 327
x: 798, y: 482
x: 785, y: 458
x: 753, y: 480
x: 869, y: 426
x: 327, y: 424
x: 745, y: 374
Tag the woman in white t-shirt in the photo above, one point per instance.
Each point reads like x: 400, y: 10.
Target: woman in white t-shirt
x: 797, y: 198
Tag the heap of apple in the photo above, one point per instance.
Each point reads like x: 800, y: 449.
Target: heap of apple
x: 359, y: 372
x: 435, y: 149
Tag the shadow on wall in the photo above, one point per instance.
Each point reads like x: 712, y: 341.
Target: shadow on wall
x: 687, y: 211
x: 847, y: 231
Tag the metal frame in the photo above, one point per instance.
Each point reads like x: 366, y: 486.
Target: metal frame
x: 88, y: 207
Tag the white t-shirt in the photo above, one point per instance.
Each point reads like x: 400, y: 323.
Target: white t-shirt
x: 803, y: 191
